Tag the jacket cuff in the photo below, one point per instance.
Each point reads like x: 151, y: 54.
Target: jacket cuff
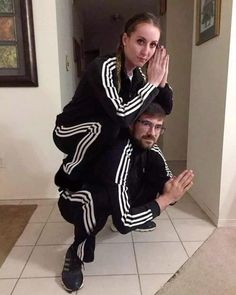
x: 156, y: 211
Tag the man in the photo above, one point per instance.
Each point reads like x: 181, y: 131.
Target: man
x: 131, y: 182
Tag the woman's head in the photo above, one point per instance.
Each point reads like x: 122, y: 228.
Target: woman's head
x: 145, y: 17
x: 140, y: 39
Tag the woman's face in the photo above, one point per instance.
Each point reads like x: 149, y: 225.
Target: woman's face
x: 140, y: 46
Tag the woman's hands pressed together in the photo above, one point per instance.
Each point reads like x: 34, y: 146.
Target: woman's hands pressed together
x: 158, y: 66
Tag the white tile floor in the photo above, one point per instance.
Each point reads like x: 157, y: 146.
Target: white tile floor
x: 133, y: 264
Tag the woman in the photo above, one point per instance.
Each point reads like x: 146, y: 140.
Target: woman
x: 110, y: 95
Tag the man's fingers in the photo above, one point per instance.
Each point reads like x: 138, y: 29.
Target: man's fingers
x: 186, y: 179
x: 188, y: 186
x: 183, y: 174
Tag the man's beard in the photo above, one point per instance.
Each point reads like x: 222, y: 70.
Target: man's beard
x: 140, y: 142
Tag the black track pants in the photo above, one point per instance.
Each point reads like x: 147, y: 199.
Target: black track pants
x: 88, y: 218
x: 82, y: 143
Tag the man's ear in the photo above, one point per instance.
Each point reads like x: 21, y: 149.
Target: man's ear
x: 131, y: 128
x: 124, y: 39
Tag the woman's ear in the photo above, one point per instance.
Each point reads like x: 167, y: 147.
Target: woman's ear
x: 124, y: 38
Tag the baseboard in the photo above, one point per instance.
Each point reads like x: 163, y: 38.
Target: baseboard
x: 227, y: 222
x: 208, y: 212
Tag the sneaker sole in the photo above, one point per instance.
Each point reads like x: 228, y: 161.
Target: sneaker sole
x: 144, y: 230
x: 114, y: 229
x: 69, y: 290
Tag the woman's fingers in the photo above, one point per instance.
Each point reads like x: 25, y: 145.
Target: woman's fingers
x: 159, y: 55
x: 167, y: 64
x: 157, y: 66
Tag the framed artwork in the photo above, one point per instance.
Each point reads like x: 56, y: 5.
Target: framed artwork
x: 163, y: 7
x: 208, y: 20
x: 17, y: 46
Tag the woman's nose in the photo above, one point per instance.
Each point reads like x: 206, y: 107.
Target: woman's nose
x: 145, y: 50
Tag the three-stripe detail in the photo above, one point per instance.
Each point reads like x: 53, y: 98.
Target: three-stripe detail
x: 122, y: 109
x: 91, y: 130
x: 85, y: 198
x: 156, y: 149
x: 127, y: 218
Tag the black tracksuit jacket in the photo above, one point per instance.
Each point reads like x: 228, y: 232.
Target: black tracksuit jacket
x: 97, y: 97
x: 124, y: 183
x: 92, y: 120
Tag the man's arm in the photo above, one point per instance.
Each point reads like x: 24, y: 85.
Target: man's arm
x: 114, y: 171
x: 169, y: 188
x: 157, y: 169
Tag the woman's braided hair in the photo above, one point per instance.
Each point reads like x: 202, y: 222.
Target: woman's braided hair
x: 130, y: 26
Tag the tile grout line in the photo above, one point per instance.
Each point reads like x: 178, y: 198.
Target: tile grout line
x: 31, y: 251
x: 17, y: 280
x: 178, y: 236
x: 136, y: 262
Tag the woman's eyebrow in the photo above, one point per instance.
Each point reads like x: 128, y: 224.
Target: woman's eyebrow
x: 141, y: 37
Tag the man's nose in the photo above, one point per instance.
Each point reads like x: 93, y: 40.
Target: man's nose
x: 152, y: 130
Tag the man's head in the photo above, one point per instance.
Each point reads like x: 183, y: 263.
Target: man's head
x: 149, y: 126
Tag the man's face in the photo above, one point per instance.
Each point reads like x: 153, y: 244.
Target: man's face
x: 146, y: 130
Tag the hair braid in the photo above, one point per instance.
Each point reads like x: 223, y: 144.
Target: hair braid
x: 119, y: 53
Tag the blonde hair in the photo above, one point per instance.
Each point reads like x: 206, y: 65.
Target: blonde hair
x: 130, y: 27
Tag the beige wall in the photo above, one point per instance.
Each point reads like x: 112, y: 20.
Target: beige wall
x: 228, y: 172
x: 68, y: 76
x: 207, y: 116
x: 179, y: 26
x: 27, y: 118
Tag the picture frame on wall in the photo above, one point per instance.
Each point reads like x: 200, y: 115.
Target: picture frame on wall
x: 163, y: 5
x: 207, y: 20
x: 17, y: 45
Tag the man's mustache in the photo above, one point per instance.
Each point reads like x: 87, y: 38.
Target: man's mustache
x: 150, y: 137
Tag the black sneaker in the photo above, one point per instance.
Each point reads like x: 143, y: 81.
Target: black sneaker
x: 72, y: 276
x: 148, y: 226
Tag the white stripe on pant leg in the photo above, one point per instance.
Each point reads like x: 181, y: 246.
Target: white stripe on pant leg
x: 85, y: 198
x: 62, y: 131
x: 86, y: 220
x: 82, y: 147
x: 80, y: 251
x: 88, y: 208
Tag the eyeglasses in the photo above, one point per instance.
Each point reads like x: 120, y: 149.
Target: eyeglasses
x: 147, y: 124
